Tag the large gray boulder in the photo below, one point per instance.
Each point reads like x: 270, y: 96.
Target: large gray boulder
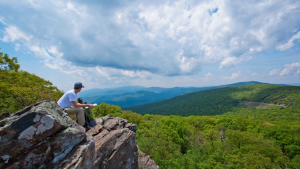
x: 43, y: 136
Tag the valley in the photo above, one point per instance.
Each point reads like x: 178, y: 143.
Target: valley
x: 250, y: 126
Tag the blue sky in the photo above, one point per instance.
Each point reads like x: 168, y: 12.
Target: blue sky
x: 153, y: 43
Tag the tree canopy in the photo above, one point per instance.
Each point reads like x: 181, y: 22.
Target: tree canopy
x: 245, y: 137
x: 19, y: 89
x: 9, y: 64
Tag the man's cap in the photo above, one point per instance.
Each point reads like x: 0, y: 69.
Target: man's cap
x: 78, y: 85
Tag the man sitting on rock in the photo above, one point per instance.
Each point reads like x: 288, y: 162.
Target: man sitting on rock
x: 69, y: 99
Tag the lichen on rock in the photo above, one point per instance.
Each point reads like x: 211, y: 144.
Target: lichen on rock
x: 47, y: 123
x: 28, y: 133
x: 5, y: 158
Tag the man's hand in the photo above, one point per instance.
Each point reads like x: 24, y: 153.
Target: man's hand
x: 90, y: 106
x: 76, y: 104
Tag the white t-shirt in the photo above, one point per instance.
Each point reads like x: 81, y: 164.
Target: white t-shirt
x: 67, y: 98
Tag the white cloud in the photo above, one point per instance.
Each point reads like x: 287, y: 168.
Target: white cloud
x: 274, y: 72
x: 289, y: 44
x: 12, y: 33
x: 33, y: 4
x: 74, y: 72
x: 208, y: 77
x: 254, y: 74
x: 71, y: 7
x: 233, y: 76
x: 112, y: 72
x: 54, y: 66
x: 17, y: 47
x: 291, y: 69
x: 139, y: 39
x: 67, y: 67
x: 232, y: 61
x: 53, y: 50
x: 40, y: 52
x: 102, y: 72
x: 229, y: 62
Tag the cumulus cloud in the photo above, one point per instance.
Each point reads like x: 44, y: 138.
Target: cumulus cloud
x: 67, y: 68
x: 208, y: 77
x: 17, y: 47
x: 12, y: 33
x: 274, y: 72
x: 233, y: 76
x: 40, y: 52
x: 254, y: 74
x: 289, y: 44
x: 53, y: 50
x: 291, y: 69
x: 112, y: 72
x: 232, y: 61
x: 143, y: 38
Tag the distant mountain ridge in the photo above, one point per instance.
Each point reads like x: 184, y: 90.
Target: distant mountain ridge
x: 294, y: 84
x: 137, y: 95
x: 221, y: 100
x: 109, y: 91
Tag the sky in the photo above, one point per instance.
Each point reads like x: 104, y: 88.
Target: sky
x: 178, y: 43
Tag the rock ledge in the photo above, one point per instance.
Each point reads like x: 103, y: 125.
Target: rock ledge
x: 43, y: 136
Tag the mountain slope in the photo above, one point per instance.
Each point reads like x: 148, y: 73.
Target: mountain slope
x: 109, y: 91
x: 138, y: 95
x: 219, y: 101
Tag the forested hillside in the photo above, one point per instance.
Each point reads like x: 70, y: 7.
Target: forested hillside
x: 219, y: 101
x: 19, y: 89
x: 245, y: 137
x: 252, y: 126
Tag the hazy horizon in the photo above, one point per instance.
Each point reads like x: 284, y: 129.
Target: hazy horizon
x: 293, y: 84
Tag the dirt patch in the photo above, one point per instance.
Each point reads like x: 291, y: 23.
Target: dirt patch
x: 259, y: 104
x: 268, y: 124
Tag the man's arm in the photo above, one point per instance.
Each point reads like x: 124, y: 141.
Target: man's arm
x: 76, y: 104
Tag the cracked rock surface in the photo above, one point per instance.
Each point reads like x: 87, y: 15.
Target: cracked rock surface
x: 146, y: 162
x: 43, y: 136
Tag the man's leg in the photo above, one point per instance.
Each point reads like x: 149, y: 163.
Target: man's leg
x: 79, y: 114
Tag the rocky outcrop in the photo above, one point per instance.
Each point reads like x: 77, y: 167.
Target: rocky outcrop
x: 115, y: 144
x: 43, y: 136
x: 146, y: 162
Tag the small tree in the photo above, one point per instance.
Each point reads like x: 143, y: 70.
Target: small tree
x: 10, y: 64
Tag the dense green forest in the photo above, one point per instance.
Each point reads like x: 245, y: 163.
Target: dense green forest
x: 245, y: 137
x: 252, y: 126
x: 219, y: 101
x: 19, y: 89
